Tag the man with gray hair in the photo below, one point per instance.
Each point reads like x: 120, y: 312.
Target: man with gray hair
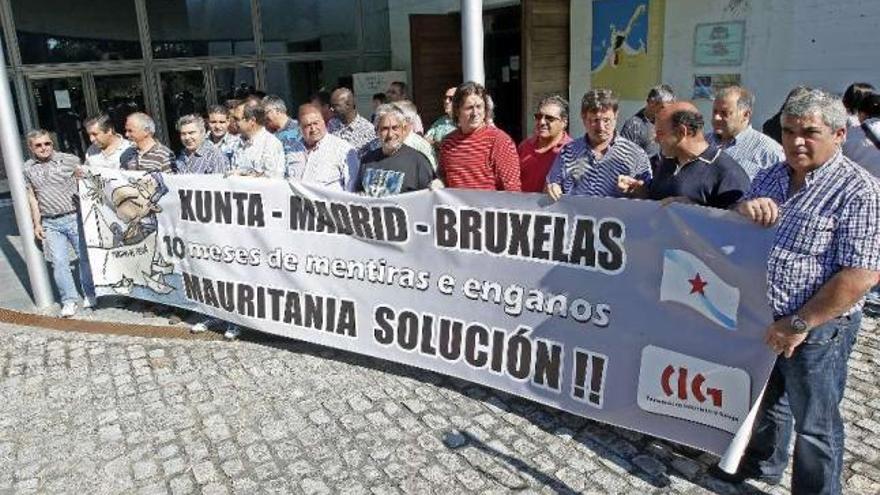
x: 355, y: 130
x: 412, y: 138
x: 52, y: 192
x: 279, y: 123
x: 826, y: 256
x: 590, y: 166
x: 640, y: 127
x: 107, y: 146
x: 198, y: 156
x: 732, y: 131
x: 147, y: 155
x: 394, y: 167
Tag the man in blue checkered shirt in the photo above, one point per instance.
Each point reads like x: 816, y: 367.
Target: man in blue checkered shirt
x: 825, y: 257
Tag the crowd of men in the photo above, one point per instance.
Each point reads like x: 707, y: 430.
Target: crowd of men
x: 813, y: 174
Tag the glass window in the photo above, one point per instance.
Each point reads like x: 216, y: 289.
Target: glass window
x: 233, y: 82
x: 120, y: 95
x: 52, y: 31
x: 200, y: 28
x: 377, y: 63
x: 183, y: 93
x: 309, y: 25
x: 376, y: 31
x: 61, y: 108
x: 297, y: 81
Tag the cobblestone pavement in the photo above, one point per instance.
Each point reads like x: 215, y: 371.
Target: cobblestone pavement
x: 82, y: 413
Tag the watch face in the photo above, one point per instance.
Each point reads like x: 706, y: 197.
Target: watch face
x: 798, y: 324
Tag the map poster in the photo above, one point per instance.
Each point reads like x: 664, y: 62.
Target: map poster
x: 627, y: 46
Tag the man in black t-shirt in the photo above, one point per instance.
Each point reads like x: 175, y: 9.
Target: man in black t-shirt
x: 692, y: 170
x: 395, y: 167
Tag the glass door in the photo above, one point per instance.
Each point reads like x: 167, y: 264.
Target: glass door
x: 183, y: 93
x: 59, y: 105
x: 234, y: 82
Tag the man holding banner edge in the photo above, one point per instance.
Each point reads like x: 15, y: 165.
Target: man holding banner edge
x: 825, y: 258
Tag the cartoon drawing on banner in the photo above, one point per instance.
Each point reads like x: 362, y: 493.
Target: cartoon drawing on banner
x: 126, y: 247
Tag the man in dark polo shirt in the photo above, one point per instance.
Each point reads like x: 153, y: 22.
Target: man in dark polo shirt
x: 147, y: 155
x: 395, y: 167
x: 52, y: 191
x: 692, y: 170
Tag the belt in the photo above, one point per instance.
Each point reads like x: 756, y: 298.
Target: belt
x: 52, y: 217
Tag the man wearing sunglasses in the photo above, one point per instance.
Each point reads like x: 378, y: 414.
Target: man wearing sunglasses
x: 52, y: 194
x: 537, y: 153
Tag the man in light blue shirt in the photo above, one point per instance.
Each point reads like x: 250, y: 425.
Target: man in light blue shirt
x: 732, y: 131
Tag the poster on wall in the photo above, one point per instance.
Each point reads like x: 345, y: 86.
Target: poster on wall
x: 627, y: 46
x: 366, y: 84
x: 719, y: 43
x: 706, y: 86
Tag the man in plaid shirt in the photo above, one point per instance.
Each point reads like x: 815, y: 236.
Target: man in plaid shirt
x: 825, y: 257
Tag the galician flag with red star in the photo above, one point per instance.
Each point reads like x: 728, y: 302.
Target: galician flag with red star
x: 688, y: 281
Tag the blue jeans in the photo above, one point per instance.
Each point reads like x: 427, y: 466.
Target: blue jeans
x: 62, y: 232
x: 804, y: 394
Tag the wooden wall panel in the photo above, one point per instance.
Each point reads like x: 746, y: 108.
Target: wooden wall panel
x: 546, y: 52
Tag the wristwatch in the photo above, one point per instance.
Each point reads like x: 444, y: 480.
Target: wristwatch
x: 798, y: 324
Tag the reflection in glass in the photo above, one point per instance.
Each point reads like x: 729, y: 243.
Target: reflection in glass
x: 200, y: 28
x: 233, y: 82
x: 297, y: 81
x: 309, y: 25
x: 376, y: 31
x: 183, y: 93
x: 120, y: 95
x: 60, y: 110
x: 52, y: 31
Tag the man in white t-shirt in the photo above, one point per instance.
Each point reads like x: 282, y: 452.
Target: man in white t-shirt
x: 107, y: 145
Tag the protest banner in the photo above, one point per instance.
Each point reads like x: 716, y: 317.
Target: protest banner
x: 627, y: 312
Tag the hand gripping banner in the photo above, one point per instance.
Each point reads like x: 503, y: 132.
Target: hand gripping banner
x: 627, y: 312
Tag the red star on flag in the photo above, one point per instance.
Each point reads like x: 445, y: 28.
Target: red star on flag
x: 697, y: 285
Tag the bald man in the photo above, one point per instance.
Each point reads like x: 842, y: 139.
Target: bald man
x: 692, y: 170
x: 355, y: 130
x: 147, y: 154
x: 330, y: 161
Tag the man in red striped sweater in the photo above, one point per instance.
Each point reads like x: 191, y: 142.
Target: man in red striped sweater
x: 477, y: 155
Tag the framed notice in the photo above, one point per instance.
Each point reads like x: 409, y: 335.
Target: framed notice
x: 719, y: 43
x: 707, y: 85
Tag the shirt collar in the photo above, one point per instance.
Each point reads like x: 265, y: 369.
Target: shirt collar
x: 203, y: 148
x: 709, y: 155
x: 827, y: 168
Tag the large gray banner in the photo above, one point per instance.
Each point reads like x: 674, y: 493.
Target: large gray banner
x: 627, y: 312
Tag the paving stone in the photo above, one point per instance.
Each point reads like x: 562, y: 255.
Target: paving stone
x: 294, y: 418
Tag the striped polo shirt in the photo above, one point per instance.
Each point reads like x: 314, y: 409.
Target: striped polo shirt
x: 580, y: 172
x: 484, y: 159
x: 752, y: 150
x: 156, y: 159
x: 53, y: 183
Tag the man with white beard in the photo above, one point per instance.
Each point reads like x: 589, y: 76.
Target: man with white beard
x: 393, y: 168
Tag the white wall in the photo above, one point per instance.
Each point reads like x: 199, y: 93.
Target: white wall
x: 398, y: 14
x: 821, y: 43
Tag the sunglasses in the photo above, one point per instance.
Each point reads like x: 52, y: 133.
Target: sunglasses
x: 549, y: 118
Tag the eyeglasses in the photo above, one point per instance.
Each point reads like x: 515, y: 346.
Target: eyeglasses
x: 549, y: 118
x: 47, y: 144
